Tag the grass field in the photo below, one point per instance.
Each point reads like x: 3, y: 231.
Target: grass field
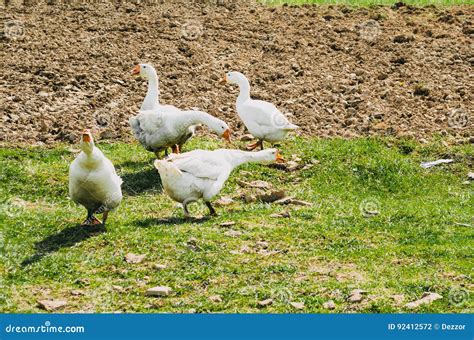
x: 379, y: 222
x: 371, y: 2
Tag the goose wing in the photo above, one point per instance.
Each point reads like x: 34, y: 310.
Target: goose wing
x: 266, y: 115
x: 201, y: 164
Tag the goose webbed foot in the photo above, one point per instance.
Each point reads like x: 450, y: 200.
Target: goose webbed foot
x: 91, y: 220
x: 255, y: 145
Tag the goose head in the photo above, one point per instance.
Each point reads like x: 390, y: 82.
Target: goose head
x: 145, y: 70
x: 234, y: 78
x: 269, y: 156
x: 87, y: 141
x: 220, y: 128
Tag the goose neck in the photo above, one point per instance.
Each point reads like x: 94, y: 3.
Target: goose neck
x: 244, y: 93
x: 151, y: 100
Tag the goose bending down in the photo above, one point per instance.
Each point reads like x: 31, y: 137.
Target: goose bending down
x: 201, y: 174
x: 263, y: 120
x: 158, y: 127
x: 93, y: 182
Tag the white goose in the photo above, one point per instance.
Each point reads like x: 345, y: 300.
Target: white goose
x: 93, y: 182
x: 158, y: 127
x: 263, y: 120
x: 201, y: 174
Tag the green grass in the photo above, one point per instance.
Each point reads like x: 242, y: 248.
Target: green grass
x: 420, y: 241
x: 365, y: 3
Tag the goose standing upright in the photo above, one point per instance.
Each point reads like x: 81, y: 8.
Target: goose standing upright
x: 263, y: 120
x: 201, y: 174
x: 93, y: 182
x: 158, y: 127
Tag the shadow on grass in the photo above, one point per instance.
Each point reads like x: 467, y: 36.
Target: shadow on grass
x: 149, y: 222
x: 65, y: 238
x: 135, y: 183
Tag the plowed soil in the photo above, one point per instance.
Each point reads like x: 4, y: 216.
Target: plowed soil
x: 336, y: 71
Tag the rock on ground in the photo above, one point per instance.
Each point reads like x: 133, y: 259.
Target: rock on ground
x: 159, y: 291
x: 52, y: 305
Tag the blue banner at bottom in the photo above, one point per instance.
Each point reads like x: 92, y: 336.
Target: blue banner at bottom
x: 240, y: 326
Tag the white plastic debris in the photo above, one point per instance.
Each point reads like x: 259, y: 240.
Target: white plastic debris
x: 427, y: 165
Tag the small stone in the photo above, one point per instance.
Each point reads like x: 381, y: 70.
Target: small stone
x: 248, y: 198
x: 43, y: 94
x: 329, y: 305
x: 133, y: 258
x: 284, y: 201
x: 159, y: 266
x: 273, y: 196
x: 300, y: 202
x: 52, y: 305
x: 470, y: 175
x: 255, y: 184
x: 356, y: 295
x: 159, y: 291
x: 292, y: 166
x: 297, y: 305
x: 246, y: 138
x: 223, y: 201
x: 76, y: 292
x: 426, y: 299
x: 262, y: 244
x: 215, y: 298
x: 227, y: 224
x: 265, y: 303
x: 285, y: 214
x: 233, y: 233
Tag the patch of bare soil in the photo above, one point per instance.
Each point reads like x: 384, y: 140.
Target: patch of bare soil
x: 337, y: 71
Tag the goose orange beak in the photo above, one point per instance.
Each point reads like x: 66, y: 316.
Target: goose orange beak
x: 224, y: 80
x: 136, y: 70
x: 86, y: 136
x: 279, y: 158
x: 226, y: 135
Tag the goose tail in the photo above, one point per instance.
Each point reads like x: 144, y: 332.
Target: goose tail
x: 291, y: 127
x: 135, y: 125
x: 166, y: 167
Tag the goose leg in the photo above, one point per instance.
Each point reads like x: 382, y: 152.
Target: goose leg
x: 185, y: 208
x: 212, y: 211
x: 175, y: 148
x: 104, y: 217
x: 185, y: 204
x: 261, y: 144
x: 91, y: 219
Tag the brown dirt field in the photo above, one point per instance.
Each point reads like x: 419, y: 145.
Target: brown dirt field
x: 337, y: 71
